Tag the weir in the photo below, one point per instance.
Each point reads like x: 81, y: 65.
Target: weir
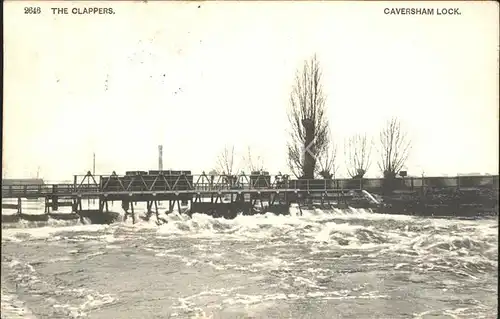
x: 216, y: 195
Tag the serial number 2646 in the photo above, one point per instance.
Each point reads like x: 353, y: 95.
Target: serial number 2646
x: 32, y: 10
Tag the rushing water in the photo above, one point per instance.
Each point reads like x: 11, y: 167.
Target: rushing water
x: 324, y: 264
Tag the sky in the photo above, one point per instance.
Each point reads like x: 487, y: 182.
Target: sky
x: 199, y: 76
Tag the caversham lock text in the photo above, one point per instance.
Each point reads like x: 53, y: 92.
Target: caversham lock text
x: 422, y: 11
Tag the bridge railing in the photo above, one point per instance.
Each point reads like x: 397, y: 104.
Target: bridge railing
x: 203, y: 182
x: 45, y: 190
x: 143, y: 181
x: 25, y: 190
x: 89, y: 184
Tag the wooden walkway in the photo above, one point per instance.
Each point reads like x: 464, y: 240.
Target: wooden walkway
x: 165, y: 183
x: 89, y: 186
x: 225, y: 193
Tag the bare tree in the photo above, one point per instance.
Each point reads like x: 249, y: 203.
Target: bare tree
x: 395, y: 148
x: 327, y: 167
x: 357, y: 150
x: 308, y: 120
x: 225, y: 161
x: 254, y: 163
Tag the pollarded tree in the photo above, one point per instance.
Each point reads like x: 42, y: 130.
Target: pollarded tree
x: 357, y: 151
x: 394, y: 148
x: 308, y: 120
x: 254, y: 162
x: 225, y: 166
x: 225, y: 161
x: 327, y: 167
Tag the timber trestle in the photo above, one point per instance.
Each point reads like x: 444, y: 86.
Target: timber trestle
x: 217, y: 195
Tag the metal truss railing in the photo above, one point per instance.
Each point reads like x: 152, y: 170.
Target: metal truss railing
x: 98, y: 184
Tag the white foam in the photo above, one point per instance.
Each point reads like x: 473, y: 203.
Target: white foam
x: 13, y: 308
x: 14, y: 234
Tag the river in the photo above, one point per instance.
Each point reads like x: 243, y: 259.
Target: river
x: 323, y: 264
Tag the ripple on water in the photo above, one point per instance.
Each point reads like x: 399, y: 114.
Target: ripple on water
x: 323, y: 263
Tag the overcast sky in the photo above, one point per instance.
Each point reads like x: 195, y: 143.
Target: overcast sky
x: 196, y: 79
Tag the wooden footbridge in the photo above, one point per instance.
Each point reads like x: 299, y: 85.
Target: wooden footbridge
x: 217, y: 195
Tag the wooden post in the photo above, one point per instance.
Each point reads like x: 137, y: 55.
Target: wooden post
x: 149, y: 205
x: 88, y: 186
x: 55, y: 203
x: 125, y: 215
x: 93, y: 174
x: 19, y: 206
x: 125, y: 207
x: 156, y: 211
x: 132, y: 212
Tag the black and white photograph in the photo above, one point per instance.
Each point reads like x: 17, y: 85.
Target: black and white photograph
x: 250, y: 160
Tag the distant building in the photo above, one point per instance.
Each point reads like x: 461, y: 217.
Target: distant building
x: 22, y: 181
